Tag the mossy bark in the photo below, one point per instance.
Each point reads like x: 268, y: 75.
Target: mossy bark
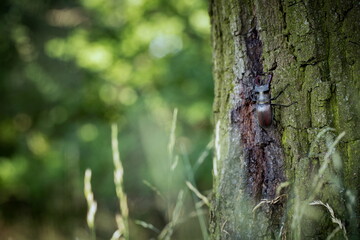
x: 264, y: 177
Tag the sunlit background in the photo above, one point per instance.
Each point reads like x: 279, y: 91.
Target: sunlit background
x: 68, y: 70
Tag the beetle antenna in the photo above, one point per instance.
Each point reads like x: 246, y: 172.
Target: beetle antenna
x: 257, y: 80
x: 270, y: 78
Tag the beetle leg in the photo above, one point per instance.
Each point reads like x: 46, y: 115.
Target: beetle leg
x: 257, y: 80
x: 281, y: 92
x: 282, y: 105
x: 270, y: 77
x: 253, y: 110
x: 252, y: 98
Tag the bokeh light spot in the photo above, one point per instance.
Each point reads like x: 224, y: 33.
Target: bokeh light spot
x: 96, y: 57
x: 23, y: 43
x: 37, y: 143
x: 108, y: 93
x: 200, y: 21
x: 127, y: 96
x: 11, y: 169
x: 197, y: 112
x: 68, y: 17
x: 119, y: 72
x: 88, y: 132
x: 56, y: 48
x: 163, y: 45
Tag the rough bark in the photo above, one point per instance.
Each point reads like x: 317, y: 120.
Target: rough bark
x: 265, y: 178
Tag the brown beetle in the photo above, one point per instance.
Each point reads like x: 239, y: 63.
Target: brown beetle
x: 263, y: 101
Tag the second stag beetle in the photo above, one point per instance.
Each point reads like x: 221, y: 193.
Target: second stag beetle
x: 263, y: 101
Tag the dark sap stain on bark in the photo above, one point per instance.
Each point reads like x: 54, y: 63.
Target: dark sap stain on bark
x: 262, y: 149
x: 254, y: 52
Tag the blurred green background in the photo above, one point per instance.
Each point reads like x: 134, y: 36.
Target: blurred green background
x: 70, y: 68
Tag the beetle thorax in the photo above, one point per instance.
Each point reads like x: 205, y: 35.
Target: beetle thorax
x: 263, y: 98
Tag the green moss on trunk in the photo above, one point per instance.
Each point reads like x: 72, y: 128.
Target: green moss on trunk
x: 314, y: 46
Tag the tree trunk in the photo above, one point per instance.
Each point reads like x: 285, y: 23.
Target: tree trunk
x: 283, y: 181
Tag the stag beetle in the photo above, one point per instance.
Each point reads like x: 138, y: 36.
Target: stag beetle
x: 263, y: 101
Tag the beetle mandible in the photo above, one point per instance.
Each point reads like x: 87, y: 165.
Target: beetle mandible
x: 263, y: 101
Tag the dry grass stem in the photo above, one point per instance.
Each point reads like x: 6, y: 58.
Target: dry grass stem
x: 147, y: 225
x: 152, y: 187
x: 203, y: 155
x: 266, y: 201
x: 122, y: 220
x: 171, y: 144
x: 332, y: 215
x: 116, y: 235
x: 92, y: 205
x: 167, y: 232
x: 318, y: 182
x: 204, y: 199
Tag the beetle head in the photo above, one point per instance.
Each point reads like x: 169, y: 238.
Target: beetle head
x: 262, y: 88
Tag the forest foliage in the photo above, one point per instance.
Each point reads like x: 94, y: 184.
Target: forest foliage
x: 71, y: 68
